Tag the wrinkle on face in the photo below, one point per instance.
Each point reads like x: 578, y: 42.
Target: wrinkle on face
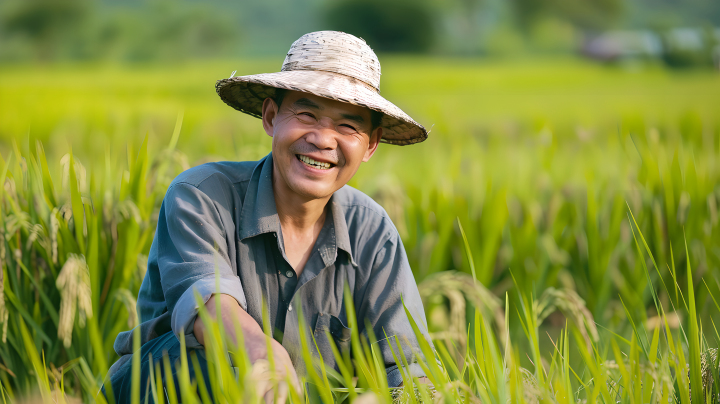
x: 323, y: 138
x: 300, y: 146
x: 307, y: 103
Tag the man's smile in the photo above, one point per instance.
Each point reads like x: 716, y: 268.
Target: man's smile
x: 310, y: 162
x: 313, y: 162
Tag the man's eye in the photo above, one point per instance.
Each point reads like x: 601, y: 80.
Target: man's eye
x: 346, y: 129
x: 306, y: 118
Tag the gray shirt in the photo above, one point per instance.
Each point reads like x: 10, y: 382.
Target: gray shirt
x: 222, y: 216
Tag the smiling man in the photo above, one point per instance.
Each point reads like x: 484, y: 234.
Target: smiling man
x: 285, y: 229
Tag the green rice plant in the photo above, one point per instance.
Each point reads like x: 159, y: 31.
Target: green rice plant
x: 489, y: 372
x: 542, y: 176
x: 72, y: 249
x: 479, y: 362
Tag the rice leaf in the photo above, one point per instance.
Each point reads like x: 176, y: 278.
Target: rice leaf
x: 693, y: 338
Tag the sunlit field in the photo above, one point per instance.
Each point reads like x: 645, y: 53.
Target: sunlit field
x: 561, y: 221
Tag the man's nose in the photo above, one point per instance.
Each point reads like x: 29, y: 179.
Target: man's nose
x: 323, y: 136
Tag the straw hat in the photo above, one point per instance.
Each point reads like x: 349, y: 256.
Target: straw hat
x: 328, y: 64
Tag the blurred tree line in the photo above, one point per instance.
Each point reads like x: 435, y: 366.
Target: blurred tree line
x: 83, y: 29
x: 143, y: 30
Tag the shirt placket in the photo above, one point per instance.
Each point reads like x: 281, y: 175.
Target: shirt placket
x: 287, y: 283
x: 290, y: 285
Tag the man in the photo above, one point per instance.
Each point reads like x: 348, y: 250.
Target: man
x: 286, y: 229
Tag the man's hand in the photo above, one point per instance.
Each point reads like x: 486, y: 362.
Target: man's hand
x: 283, y: 369
x: 255, y: 345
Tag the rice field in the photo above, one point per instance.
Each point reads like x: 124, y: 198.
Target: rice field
x: 561, y: 221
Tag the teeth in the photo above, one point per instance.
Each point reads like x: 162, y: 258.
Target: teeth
x: 317, y: 164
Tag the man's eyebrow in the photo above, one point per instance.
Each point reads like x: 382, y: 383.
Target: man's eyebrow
x: 306, y: 102
x: 357, y: 118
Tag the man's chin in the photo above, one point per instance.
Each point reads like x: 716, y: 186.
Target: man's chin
x: 312, y: 191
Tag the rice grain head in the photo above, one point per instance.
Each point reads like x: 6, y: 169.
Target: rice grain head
x: 80, y: 172
x: 73, y: 282
x: 128, y: 300
x: 461, y: 290
x: 127, y: 210
x: 36, y: 232
x: 572, y: 306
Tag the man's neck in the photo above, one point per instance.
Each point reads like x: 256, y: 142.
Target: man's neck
x: 300, y: 217
x: 301, y: 220
x: 295, y: 212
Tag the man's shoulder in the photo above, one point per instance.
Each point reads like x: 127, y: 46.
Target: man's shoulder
x: 348, y: 198
x: 360, y: 208
x: 230, y: 172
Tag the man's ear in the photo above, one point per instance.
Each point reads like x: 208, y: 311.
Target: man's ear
x: 373, y: 144
x: 269, y: 112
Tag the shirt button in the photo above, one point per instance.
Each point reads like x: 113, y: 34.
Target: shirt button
x: 290, y: 307
x: 289, y: 274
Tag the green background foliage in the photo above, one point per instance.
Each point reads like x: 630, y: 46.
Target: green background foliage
x: 561, y: 220
x: 541, y: 160
x: 138, y: 31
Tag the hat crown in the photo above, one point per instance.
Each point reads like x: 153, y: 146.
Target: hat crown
x: 335, y: 52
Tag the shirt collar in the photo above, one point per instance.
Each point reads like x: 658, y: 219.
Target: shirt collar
x: 342, y: 235
x: 259, y: 215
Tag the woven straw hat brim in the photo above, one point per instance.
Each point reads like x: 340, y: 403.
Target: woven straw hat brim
x: 247, y: 93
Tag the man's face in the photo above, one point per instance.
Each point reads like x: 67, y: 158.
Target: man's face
x: 318, y: 143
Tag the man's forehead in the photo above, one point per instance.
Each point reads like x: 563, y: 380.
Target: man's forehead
x: 298, y: 98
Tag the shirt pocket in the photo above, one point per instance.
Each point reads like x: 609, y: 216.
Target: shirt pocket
x: 338, y: 331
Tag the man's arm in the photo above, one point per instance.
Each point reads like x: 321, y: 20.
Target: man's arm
x: 192, y: 251
x: 253, y: 336
x: 229, y: 311
x: 389, y: 284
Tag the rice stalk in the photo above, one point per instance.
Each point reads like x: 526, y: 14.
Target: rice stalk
x: 73, y: 282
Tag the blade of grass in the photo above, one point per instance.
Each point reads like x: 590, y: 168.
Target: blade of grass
x: 693, y: 338
x: 78, y: 209
x: 135, y: 375
x: 468, y: 254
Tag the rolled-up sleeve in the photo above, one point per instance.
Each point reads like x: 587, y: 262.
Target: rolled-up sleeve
x: 390, y: 283
x: 192, y: 251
